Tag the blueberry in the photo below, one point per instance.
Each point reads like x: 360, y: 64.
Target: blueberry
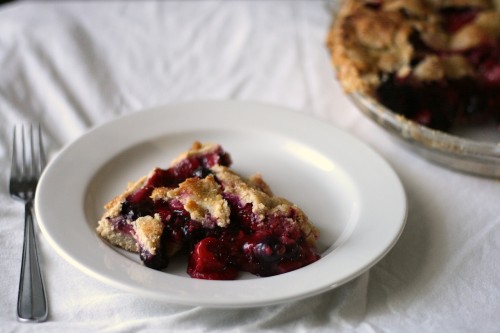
x: 158, y: 261
x: 269, y: 250
x: 474, y: 105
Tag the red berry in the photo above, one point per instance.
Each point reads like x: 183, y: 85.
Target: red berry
x: 209, y: 260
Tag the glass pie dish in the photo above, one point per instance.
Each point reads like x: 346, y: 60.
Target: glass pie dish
x: 474, y: 151
x: 428, y: 72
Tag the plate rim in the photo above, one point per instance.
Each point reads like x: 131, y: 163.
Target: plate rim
x: 274, y: 111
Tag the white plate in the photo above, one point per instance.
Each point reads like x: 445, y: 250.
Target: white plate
x: 348, y: 191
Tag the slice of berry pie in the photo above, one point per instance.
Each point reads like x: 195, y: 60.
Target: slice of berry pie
x: 222, y: 221
x: 436, y: 62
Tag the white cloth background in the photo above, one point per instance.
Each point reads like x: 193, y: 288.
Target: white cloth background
x: 73, y: 65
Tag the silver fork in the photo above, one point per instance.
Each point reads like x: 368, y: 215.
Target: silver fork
x: 26, y: 169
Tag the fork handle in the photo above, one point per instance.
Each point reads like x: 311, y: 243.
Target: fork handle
x: 32, y: 301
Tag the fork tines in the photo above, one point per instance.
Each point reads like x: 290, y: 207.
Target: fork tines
x: 27, y: 162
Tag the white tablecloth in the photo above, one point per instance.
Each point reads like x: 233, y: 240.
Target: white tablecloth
x: 73, y: 65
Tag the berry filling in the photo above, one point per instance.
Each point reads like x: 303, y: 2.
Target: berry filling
x: 210, y: 259
x: 272, y: 247
x: 440, y: 105
x: 455, y: 18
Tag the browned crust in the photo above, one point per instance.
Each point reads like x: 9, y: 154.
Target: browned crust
x: 148, y: 231
x: 202, y: 199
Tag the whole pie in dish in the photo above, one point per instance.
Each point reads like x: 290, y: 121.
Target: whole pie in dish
x: 436, y: 62
x: 222, y: 221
